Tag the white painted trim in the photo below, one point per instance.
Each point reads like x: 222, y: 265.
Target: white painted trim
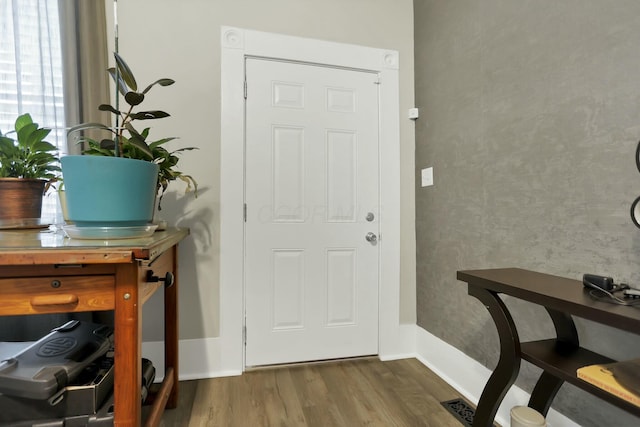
x: 468, y: 377
x: 236, y: 45
x: 404, y: 343
x: 201, y: 358
x: 197, y: 359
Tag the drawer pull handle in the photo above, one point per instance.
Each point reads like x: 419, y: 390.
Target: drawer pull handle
x: 63, y: 299
x: 168, y: 278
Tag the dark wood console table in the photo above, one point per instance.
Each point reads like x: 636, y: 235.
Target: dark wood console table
x: 559, y: 357
x: 45, y: 272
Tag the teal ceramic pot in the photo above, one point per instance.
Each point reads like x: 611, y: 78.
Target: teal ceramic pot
x: 109, y: 191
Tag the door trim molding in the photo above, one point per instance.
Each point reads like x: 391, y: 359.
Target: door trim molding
x: 237, y: 44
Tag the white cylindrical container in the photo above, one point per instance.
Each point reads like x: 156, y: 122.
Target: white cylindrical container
x: 523, y: 416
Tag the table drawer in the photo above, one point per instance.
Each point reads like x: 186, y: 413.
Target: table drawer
x: 56, y: 294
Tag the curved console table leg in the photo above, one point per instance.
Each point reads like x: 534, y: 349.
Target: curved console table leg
x: 566, y: 332
x: 544, y: 392
x: 566, y: 342
x: 508, y: 366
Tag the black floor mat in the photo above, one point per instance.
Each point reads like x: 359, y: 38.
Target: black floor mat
x: 461, y: 410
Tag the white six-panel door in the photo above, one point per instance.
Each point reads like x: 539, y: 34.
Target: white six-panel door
x: 312, y: 197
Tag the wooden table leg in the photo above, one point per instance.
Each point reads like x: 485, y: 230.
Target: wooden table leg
x: 128, y: 347
x: 508, y: 366
x: 171, y: 332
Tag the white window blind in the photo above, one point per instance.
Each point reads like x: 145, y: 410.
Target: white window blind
x: 31, y: 66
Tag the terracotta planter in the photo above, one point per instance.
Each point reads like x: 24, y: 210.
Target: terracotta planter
x: 21, y: 198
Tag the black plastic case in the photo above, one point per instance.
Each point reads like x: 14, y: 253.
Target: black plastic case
x: 85, y: 395
x: 51, y: 363
x: 76, y: 409
x: 103, y: 418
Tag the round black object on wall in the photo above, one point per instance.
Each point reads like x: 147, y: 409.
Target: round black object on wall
x: 635, y: 206
x: 635, y: 212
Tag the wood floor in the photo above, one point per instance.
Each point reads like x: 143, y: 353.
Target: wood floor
x: 357, y: 392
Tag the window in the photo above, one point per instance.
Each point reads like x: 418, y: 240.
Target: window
x: 31, y: 66
x: 31, y: 74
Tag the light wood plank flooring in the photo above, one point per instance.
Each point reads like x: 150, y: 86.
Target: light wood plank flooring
x: 355, y: 392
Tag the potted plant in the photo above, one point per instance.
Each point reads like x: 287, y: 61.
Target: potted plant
x: 28, y: 165
x: 116, y: 181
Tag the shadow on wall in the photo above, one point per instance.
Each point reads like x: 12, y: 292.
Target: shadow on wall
x: 199, y: 292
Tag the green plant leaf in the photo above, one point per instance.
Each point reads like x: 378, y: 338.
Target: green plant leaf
x: 184, y: 149
x: 85, y: 126
x: 159, y: 142
x: 28, y: 155
x: 161, y: 82
x: 36, y: 136
x: 134, y: 132
x: 109, y: 108
x: 149, y: 115
x: 125, y: 72
x: 138, y: 141
x: 122, y: 86
x: 99, y: 152
x: 190, y: 182
x: 134, y: 98
x: 107, y: 144
x: 22, y: 121
x: 43, y: 146
x: 25, y: 133
x: 6, y: 144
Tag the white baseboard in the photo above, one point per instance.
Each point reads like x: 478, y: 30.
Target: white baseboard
x: 200, y: 358
x: 403, y: 345
x: 468, y: 377
x: 206, y: 358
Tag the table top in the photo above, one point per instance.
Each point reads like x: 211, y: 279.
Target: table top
x: 558, y: 293
x: 48, y: 246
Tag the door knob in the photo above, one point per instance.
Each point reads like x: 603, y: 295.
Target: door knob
x: 371, y: 238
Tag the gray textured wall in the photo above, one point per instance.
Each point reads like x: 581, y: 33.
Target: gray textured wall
x: 530, y: 112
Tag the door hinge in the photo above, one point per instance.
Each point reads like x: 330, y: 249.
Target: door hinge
x: 244, y: 212
x: 245, y: 88
x: 244, y: 335
x: 377, y: 82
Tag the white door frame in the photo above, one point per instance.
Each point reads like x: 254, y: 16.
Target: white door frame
x: 237, y: 44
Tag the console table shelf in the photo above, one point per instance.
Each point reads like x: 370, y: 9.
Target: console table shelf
x: 565, y: 364
x: 560, y: 357
x: 562, y: 364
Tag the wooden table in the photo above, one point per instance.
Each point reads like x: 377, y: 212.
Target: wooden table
x: 46, y: 272
x: 559, y: 357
